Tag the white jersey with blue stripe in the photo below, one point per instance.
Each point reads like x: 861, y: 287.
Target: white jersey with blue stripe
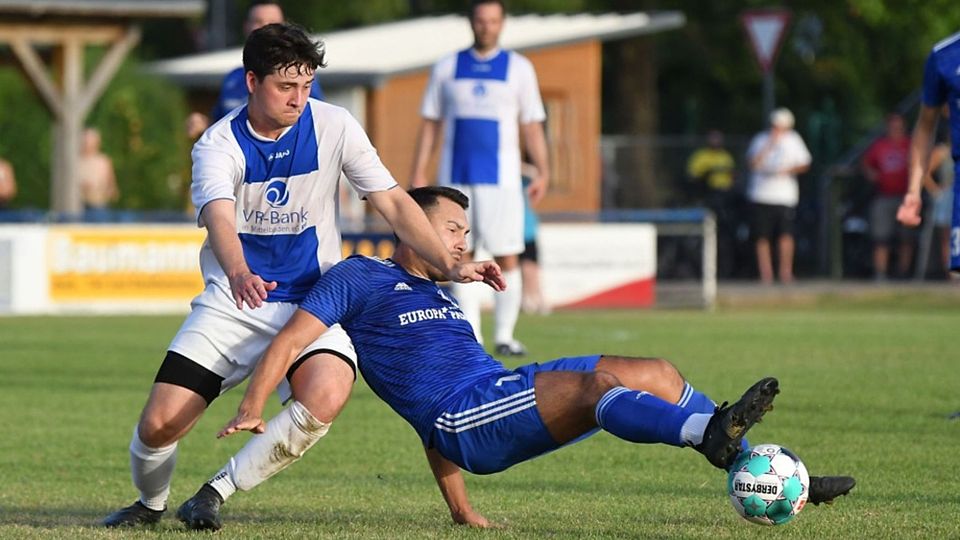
x: 482, y: 101
x: 285, y: 192
x: 416, y: 349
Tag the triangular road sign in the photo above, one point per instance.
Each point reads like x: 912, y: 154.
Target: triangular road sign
x: 766, y: 29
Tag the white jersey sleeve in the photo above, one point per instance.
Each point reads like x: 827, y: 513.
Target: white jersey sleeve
x: 531, y: 105
x: 799, y: 154
x: 361, y: 164
x: 217, y: 168
x: 432, y: 107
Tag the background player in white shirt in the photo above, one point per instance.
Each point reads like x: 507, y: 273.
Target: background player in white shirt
x: 776, y: 157
x: 484, y: 98
x: 265, y: 180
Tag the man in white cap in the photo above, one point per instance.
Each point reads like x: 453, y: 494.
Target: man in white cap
x: 776, y: 157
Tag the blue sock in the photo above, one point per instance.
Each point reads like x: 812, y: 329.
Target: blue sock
x: 697, y: 402
x: 641, y: 417
x: 694, y: 401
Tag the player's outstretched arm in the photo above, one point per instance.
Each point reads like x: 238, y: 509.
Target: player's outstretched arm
x: 414, y: 229
x: 454, y: 490
x: 426, y: 142
x: 921, y: 145
x: 301, y: 330
x: 219, y: 217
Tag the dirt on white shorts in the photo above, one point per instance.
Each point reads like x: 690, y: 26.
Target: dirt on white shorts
x: 230, y: 342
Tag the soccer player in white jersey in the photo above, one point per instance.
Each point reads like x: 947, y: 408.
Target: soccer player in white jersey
x: 484, y: 98
x: 265, y: 180
x: 469, y: 410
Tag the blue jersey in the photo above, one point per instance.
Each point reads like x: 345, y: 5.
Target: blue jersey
x: 233, y: 93
x: 941, y: 84
x: 416, y: 350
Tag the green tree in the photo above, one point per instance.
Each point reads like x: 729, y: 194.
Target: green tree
x: 141, y: 120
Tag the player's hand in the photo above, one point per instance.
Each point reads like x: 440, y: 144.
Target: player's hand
x: 485, y: 271
x: 472, y: 518
x: 243, y: 421
x: 248, y: 288
x: 909, y: 211
x: 537, y: 189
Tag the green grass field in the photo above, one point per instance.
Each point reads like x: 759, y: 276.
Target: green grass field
x: 866, y: 391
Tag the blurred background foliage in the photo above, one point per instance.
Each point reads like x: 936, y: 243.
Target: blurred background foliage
x: 842, y: 65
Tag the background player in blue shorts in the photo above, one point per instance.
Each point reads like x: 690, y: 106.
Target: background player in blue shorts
x: 419, y: 355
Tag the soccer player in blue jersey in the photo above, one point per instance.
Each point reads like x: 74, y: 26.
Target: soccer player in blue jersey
x: 941, y: 86
x: 265, y: 181
x: 485, y: 98
x: 233, y: 89
x: 419, y: 354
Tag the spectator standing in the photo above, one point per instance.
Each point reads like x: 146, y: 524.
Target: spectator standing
x: 233, y: 89
x: 486, y: 97
x: 776, y: 157
x: 8, y: 184
x: 98, y: 184
x: 711, y: 170
x: 885, y: 164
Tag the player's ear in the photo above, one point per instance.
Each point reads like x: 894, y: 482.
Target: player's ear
x: 251, y: 80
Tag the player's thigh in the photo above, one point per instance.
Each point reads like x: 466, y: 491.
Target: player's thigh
x: 566, y: 400
x: 323, y: 375
x: 654, y: 375
x: 497, y: 219
x: 171, y: 411
x: 224, y: 340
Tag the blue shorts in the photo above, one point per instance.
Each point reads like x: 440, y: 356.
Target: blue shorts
x: 495, y: 424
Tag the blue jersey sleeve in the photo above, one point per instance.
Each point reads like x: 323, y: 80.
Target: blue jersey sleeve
x: 315, y: 91
x: 934, y: 87
x: 337, y: 296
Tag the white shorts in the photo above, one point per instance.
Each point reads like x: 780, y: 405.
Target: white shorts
x: 496, y: 218
x: 230, y: 342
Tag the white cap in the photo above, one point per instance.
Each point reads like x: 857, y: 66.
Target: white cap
x: 781, y: 118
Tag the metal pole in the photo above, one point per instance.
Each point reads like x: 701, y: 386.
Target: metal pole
x: 768, y: 99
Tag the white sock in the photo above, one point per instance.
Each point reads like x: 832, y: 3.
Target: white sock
x: 693, y: 428
x: 288, y: 435
x: 469, y: 297
x: 506, y: 307
x: 152, y: 469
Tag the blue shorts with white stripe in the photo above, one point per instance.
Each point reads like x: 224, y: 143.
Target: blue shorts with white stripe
x: 495, y: 424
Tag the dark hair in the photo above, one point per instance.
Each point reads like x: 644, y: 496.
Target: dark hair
x: 427, y: 197
x: 278, y: 47
x: 475, y: 3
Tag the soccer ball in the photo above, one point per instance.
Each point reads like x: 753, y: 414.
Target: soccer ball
x: 768, y: 484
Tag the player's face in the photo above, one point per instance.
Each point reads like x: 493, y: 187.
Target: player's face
x: 262, y: 15
x: 278, y: 100
x: 487, y: 23
x: 450, y: 222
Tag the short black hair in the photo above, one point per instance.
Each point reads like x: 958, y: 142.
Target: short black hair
x: 278, y: 47
x: 428, y: 196
x: 475, y: 3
